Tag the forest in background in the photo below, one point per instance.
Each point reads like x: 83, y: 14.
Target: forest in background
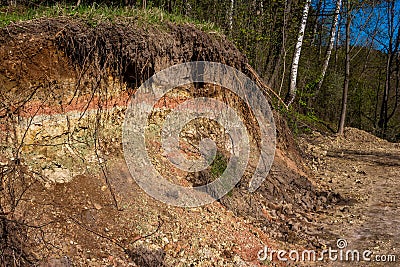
x: 325, y: 58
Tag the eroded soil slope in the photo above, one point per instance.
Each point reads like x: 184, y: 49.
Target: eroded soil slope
x: 67, y: 196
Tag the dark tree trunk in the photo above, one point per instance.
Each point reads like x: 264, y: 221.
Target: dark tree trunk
x: 346, y: 73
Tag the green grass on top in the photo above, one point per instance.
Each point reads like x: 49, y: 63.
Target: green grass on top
x: 96, y: 13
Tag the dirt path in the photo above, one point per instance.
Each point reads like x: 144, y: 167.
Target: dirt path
x: 365, y: 170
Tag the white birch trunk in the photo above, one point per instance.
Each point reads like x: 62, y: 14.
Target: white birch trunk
x: 296, y: 58
x: 231, y: 15
x: 331, y: 43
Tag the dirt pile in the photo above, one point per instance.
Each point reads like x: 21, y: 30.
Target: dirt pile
x: 64, y: 89
x: 365, y: 170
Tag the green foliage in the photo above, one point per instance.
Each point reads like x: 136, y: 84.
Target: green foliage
x: 96, y: 13
x: 304, y: 122
x: 219, y: 165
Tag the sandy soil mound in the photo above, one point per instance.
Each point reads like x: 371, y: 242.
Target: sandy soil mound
x: 365, y: 170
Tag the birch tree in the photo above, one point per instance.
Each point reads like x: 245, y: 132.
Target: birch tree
x: 330, y: 45
x: 296, y: 58
x: 231, y: 16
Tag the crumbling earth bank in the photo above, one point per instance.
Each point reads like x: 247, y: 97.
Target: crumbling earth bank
x: 64, y: 89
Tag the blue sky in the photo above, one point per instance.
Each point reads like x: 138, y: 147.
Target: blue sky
x: 370, y: 24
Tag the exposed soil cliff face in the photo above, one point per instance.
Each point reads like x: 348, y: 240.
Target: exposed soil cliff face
x: 64, y: 90
x: 137, y: 52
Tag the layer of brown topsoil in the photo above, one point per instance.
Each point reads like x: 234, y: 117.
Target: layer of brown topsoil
x: 57, y: 66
